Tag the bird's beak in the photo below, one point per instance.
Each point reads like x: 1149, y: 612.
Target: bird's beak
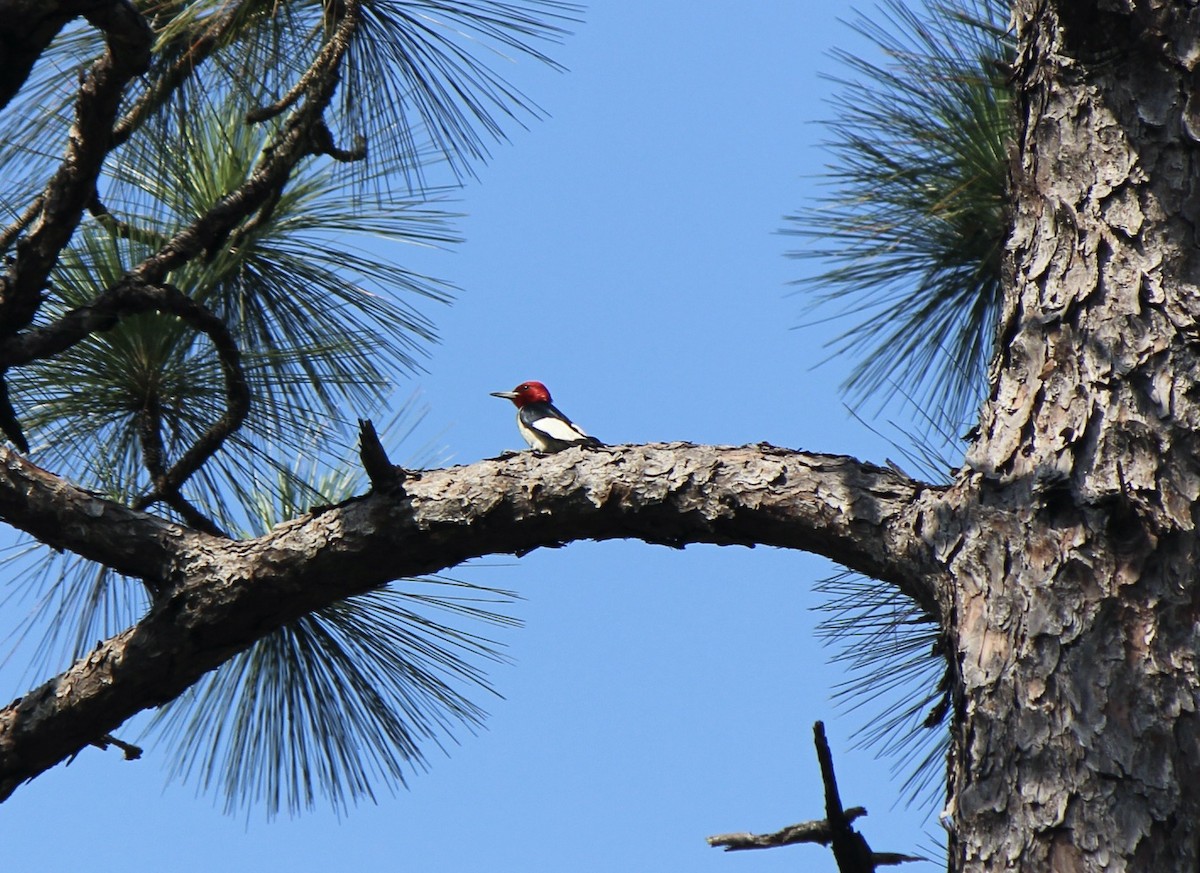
x: 506, y: 395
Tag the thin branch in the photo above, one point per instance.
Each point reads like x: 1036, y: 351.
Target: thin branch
x: 316, y: 69
x: 817, y: 831
x: 122, y: 229
x: 198, y: 48
x: 193, y: 516
x: 23, y: 221
x: 149, y: 431
x: 834, y: 813
x: 850, y: 848
x: 126, y: 297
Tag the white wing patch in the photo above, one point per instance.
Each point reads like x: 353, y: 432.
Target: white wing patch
x: 557, y: 429
x: 548, y: 434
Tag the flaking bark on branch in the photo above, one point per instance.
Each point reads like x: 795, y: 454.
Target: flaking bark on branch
x: 214, y: 597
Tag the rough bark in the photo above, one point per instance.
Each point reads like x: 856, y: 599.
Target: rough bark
x: 1073, y: 603
x: 216, y: 596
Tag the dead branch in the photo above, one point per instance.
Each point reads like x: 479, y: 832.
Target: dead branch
x: 850, y: 848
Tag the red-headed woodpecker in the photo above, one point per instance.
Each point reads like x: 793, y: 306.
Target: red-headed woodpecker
x: 540, y: 423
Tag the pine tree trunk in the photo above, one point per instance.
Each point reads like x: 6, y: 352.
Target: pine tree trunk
x: 1076, y: 741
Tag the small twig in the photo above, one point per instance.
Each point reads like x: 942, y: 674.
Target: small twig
x: 192, y: 517
x: 264, y: 113
x: 132, y: 752
x: 323, y: 144
x: 23, y: 221
x: 384, y: 475
x: 890, y: 859
x: 120, y: 228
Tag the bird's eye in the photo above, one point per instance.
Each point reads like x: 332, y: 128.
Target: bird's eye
x: 524, y: 387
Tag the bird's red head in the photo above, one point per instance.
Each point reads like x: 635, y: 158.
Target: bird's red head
x: 526, y: 393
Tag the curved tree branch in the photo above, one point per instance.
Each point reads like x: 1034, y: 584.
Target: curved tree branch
x: 216, y: 597
x: 130, y: 297
x: 237, y: 395
x: 330, y: 52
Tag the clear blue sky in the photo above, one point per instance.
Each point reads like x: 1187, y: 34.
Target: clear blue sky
x: 625, y: 252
